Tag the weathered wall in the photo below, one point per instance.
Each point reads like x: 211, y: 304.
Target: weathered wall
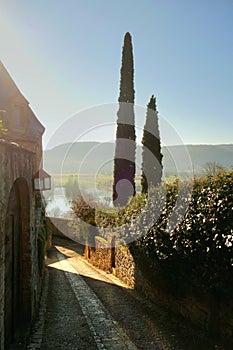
x: 136, y: 271
x: 124, y: 265
x: 100, y: 255
x: 17, y: 166
x: 20, y: 210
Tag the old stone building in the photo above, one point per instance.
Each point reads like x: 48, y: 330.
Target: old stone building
x: 20, y: 157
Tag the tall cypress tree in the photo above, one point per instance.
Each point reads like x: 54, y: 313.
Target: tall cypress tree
x: 151, y: 149
x: 124, y: 161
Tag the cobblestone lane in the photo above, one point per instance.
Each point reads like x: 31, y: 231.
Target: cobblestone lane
x: 85, y: 308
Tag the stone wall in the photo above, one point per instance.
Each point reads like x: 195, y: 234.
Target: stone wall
x: 136, y: 271
x: 17, y: 167
x: 100, y: 255
x: 124, y: 265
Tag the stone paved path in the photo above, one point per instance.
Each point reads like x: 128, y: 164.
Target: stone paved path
x: 85, y: 308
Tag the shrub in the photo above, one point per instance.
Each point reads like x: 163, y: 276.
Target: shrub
x: 197, y: 255
x: 84, y: 209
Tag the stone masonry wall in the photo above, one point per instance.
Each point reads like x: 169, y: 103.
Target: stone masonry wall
x: 125, y: 266
x: 18, y: 164
x: 100, y: 255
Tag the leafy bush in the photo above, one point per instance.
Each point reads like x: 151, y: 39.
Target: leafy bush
x: 84, y: 209
x: 197, y: 255
x: 3, y: 131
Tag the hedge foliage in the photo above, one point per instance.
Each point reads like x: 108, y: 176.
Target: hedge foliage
x: 196, y: 255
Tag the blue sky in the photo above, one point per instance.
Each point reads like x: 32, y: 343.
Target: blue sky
x: 65, y: 57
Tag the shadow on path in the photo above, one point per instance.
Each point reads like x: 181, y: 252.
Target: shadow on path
x: 65, y: 321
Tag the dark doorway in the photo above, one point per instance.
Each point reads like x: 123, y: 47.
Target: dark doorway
x: 17, y: 250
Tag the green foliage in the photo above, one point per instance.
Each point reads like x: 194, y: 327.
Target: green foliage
x: 197, y: 255
x: 3, y: 131
x: 124, y: 161
x: 108, y: 219
x: 85, y: 209
x: 127, y: 72
x: 151, y: 149
x: 130, y: 222
x: 113, y: 219
x: 102, y: 240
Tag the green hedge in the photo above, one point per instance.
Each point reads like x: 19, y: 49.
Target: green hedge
x: 197, y: 255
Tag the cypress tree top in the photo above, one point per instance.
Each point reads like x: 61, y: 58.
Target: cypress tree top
x: 151, y: 124
x: 151, y: 149
x: 127, y: 71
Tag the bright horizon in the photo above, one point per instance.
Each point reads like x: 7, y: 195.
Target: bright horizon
x: 65, y: 57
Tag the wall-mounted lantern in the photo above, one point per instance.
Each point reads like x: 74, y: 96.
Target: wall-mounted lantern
x: 41, y: 181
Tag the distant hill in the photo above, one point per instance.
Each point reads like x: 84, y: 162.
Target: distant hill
x: 81, y: 157
x: 94, y: 157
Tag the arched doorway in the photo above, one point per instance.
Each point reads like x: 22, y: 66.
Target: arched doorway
x: 17, y: 303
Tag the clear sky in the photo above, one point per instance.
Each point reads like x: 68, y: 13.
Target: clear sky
x: 65, y: 56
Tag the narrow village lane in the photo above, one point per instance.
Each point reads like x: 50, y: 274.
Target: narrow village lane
x: 61, y: 323
x: 85, y: 308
